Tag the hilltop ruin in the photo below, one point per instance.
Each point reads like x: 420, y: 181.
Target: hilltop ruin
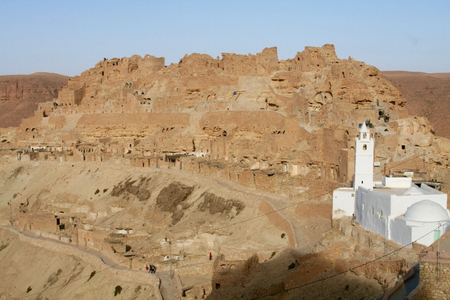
x: 166, y: 164
x: 241, y: 117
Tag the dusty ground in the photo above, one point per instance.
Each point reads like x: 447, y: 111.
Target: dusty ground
x: 342, y: 270
x: 198, y: 214
x: 44, y: 271
x: 109, y: 196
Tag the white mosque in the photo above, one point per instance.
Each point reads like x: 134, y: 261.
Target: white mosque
x: 396, y: 208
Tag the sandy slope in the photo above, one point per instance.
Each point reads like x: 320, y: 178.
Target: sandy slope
x: 87, y: 190
x: 39, y: 269
x: 109, y: 195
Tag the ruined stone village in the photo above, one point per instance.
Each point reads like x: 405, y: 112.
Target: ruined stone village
x: 240, y: 177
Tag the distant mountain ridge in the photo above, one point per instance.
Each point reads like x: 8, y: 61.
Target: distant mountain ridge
x: 21, y: 94
x: 427, y: 95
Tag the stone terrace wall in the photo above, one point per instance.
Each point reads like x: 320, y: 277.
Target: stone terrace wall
x: 432, y: 286
x: 136, y: 120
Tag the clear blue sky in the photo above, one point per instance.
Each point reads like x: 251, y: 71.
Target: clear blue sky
x: 68, y: 37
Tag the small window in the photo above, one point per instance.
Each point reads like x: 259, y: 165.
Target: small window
x: 364, y: 147
x: 381, y: 214
x: 373, y: 211
x: 403, y: 147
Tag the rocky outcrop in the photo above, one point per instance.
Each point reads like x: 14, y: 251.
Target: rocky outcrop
x: 253, y: 112
x: 213, y: 155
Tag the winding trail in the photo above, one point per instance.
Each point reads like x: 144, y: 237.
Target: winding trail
x: 108, y: 261
x: 101, y: 261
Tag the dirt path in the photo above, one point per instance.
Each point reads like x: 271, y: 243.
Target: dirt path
x: 108, y: 261
x: 101, y: 260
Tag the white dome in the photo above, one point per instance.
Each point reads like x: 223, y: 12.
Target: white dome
x: 426, y: 211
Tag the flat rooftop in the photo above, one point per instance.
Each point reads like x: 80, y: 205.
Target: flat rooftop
x: 390, y: 191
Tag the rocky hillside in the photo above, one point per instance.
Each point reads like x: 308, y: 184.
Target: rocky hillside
x: 21, y: 94
x: 234, y: 156
x: 427, y: 95
x: 38, y: 269
x: 117, y: 212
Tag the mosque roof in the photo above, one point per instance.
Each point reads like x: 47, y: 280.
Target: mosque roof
x: 426, y: 211
x: 413, y: 191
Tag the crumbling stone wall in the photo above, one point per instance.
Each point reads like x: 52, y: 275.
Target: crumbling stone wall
x: 228, y: 273
x: 373, y: 241
x: 435, y: 285
x: 247, y: 118
x: 39, y: 221
x: 265, y: 182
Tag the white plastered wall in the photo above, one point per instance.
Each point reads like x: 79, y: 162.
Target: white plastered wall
x: 343, y: 202
x: 372, y: 211
x: 400, y: 232
x: 397, y: 182
x: 423, y: 232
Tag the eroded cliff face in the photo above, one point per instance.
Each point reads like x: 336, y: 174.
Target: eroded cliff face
x: 285, y: 127
x: 295, y: 117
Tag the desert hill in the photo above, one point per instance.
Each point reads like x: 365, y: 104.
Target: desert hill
x: 21, y: 94
x: 210, y: 215
x: 234, y: 156
x: 35, y: 268
x: 427, y: 95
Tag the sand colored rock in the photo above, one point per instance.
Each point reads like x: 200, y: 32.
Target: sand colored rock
x: 240, y: 112
x: 231, y: 156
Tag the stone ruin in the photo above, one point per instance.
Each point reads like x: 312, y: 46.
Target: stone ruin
x: 252, y: 119
x: 282, y: 126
